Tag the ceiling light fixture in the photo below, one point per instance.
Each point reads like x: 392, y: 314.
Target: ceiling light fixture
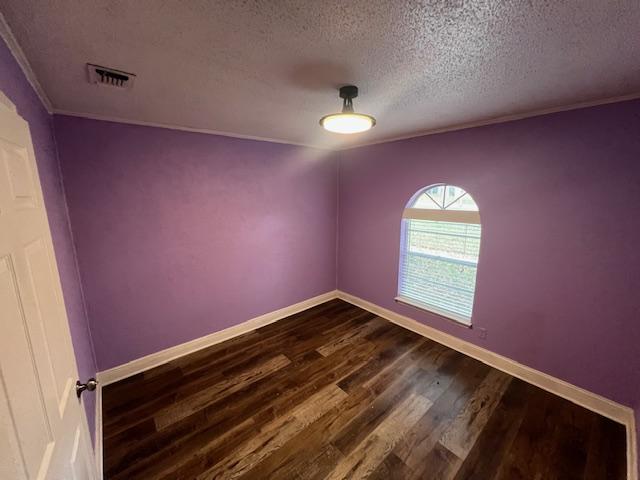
x: 347, y: 121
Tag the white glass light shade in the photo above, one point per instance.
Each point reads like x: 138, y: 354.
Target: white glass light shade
x: 347, y: 122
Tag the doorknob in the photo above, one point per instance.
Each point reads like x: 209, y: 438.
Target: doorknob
x: 91, y: 385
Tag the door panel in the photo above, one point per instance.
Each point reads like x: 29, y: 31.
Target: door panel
x: 19, y: 174
x: 28, y: 416
x: 11, y: 464
x: 54, y: 348
x: 80, y: 464
x: 44, y: 434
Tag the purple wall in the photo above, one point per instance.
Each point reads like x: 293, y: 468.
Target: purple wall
x: 183, y: 234
x: 15, y: 86
x: 559, y: 269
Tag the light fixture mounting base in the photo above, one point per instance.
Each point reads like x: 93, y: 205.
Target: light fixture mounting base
x: 348, y: 92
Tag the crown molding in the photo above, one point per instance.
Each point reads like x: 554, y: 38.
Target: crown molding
x: 14, y: 47
x: 108, y: 118
x: 453, y: 128
x: 501, y: 119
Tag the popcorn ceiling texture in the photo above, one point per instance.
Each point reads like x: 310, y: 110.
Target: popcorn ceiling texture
x: 271, y: 69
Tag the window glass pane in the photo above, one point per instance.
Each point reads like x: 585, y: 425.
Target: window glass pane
x: 452, y: 193
x: 425, y: 201
x: 465, y: 202
x: 439, y: 263
x: 433, y: 283
x: 437, y: 193
x: 446, y: 239
x: 447, y: 197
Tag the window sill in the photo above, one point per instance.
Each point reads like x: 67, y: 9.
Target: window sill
x: 450, y: 316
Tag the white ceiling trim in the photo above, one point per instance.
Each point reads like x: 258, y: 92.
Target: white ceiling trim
x: 502, y: 119
x: 16, y: 51
x: 106, y: 118
x: 453, y: 128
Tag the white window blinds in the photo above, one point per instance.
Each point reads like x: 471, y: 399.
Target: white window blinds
x: 439, y: 254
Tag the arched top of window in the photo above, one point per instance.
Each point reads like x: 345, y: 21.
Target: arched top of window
x: 444, y: 197
x: 443, y: 203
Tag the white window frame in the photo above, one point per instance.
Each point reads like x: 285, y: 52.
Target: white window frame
x: 442, y: 215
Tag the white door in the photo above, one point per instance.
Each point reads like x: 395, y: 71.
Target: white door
x: 43, y: 432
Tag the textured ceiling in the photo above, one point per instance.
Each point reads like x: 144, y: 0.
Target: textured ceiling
x: 271, y: 68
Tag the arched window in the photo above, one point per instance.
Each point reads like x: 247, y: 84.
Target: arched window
x: 439, y: 252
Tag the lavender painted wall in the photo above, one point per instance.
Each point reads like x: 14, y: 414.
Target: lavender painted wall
x: 16, y: 87
x: 559, y: 269
x: 183, y: 234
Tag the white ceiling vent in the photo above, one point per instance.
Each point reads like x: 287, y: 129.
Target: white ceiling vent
x: 110, y: 77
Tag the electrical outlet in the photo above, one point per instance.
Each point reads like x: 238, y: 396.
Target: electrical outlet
x: 482, y: 333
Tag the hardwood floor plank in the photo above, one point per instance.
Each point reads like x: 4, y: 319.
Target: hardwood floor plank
x: 366, y: 421
x: 336, y: 392
x: 173, y: 465
x: 419, y: 441
x: 392, y: 468
x: 568, y: 450
x: 532, y: 446
x: 203, y: 398
x: 351, y: 336
x: 293, y: 457
x: 463, y: 431
x: 606, y: 456
x: 491, y: 447
x: 317, y: 468
x: 440, y: 464
x: 394, y: 345
x: 273, y: 435
x: 372, y: 451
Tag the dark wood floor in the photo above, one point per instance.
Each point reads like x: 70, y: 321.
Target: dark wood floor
x: 335, y: 392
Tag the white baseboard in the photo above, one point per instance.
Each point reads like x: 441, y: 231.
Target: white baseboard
x: 97, y: 443
x: 603, y: 406
x: 633, y: 469
x: 120, y: 372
